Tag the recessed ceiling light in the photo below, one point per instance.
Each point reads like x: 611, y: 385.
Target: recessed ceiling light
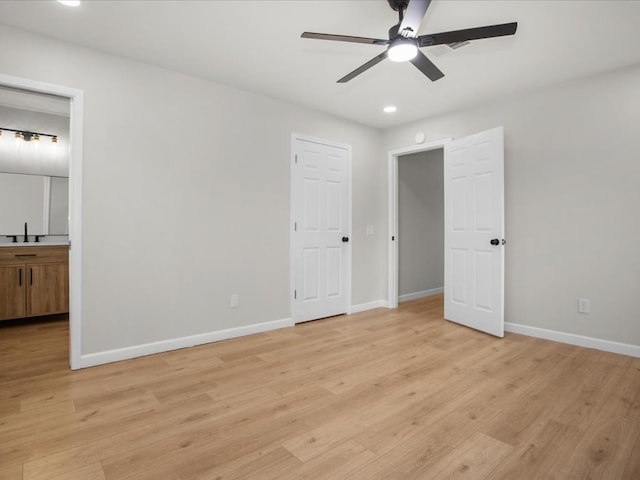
x: 389, y: 109
x: 70, y: 3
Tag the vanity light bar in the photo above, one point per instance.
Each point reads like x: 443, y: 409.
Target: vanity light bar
x: 27, y: 136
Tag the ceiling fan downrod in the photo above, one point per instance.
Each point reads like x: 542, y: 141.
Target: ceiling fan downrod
x: 399, y: 6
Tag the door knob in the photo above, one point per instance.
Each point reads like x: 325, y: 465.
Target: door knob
x: 494, y: 241
x: 345, y: 239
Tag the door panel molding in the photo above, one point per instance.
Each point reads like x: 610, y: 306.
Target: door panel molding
x: 474, y: 218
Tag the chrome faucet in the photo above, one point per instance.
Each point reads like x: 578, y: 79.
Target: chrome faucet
x: 26, y: 235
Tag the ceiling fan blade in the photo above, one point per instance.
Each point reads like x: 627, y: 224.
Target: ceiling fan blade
x: 477, y: 33
x: 412, y: 18
x: 427, y: 67
x: 363, y: 68
x: 344, y: 38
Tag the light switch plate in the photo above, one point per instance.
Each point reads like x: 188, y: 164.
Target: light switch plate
x: 234, y: 300
x: 584, y: 305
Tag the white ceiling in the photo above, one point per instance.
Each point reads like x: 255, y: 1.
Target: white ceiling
x: 256, y: 45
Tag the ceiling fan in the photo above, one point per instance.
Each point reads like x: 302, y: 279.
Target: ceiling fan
x: 404, y: 44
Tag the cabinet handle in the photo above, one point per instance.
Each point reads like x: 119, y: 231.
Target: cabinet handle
x: 26, y: 255
x: 19, y: 277
x: 31, y: 276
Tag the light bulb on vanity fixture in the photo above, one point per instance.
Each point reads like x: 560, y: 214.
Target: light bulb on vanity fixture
x: 27, y: 136
x: 70, y: 3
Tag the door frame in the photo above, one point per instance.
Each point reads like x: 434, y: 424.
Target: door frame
x: 76, y: 122
x: 392, y: 255
x: 292, y: 200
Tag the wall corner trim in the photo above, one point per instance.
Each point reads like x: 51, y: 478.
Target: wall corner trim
x: 573, y: 339
x: 135, y: 351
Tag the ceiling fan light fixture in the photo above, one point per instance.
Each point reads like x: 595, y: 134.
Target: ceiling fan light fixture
x: 404, y: 44
x: 402, y: 49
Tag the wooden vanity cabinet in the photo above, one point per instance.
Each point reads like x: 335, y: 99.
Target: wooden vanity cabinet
x: 34, y: 281
x: 12, y: 292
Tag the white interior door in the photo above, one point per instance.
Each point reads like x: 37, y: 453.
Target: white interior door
x: 474, y: 231
x: 321, y: 230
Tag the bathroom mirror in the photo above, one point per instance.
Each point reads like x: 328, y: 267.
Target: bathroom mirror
x: 33, y: 184
x: 40, y: 201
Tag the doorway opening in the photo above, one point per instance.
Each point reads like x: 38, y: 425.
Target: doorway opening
x: 418, y: 161
x: 473, y: 229
x: 420, y: 236
x: 30, y: 97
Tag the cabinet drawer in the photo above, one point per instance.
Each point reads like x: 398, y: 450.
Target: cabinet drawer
x: 16, y: 255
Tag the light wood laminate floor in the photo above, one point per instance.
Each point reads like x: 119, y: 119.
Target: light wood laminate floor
x: 385, y: 394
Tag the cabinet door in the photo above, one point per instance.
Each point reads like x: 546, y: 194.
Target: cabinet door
x: 48, y: 289
x: 12, y: 291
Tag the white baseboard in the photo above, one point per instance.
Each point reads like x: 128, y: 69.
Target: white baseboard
x: 416, y: 295
x: 126, y: 353
x: 573, y: 339
x: 363, y: 307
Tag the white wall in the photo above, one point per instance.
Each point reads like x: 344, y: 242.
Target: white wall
x: 572, y: 190
x: 186, y: 196
x: 420, y: 222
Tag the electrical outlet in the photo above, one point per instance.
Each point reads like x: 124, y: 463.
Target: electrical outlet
x: 369, y: 229
x: 234, y: 301
x: 584, y: 305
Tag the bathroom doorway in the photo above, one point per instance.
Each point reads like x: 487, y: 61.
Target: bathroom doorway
x: 40, y: 166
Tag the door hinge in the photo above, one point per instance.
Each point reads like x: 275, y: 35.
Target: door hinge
x: 295, y: 294
x: 295, y: 226
x: 296, y: 158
